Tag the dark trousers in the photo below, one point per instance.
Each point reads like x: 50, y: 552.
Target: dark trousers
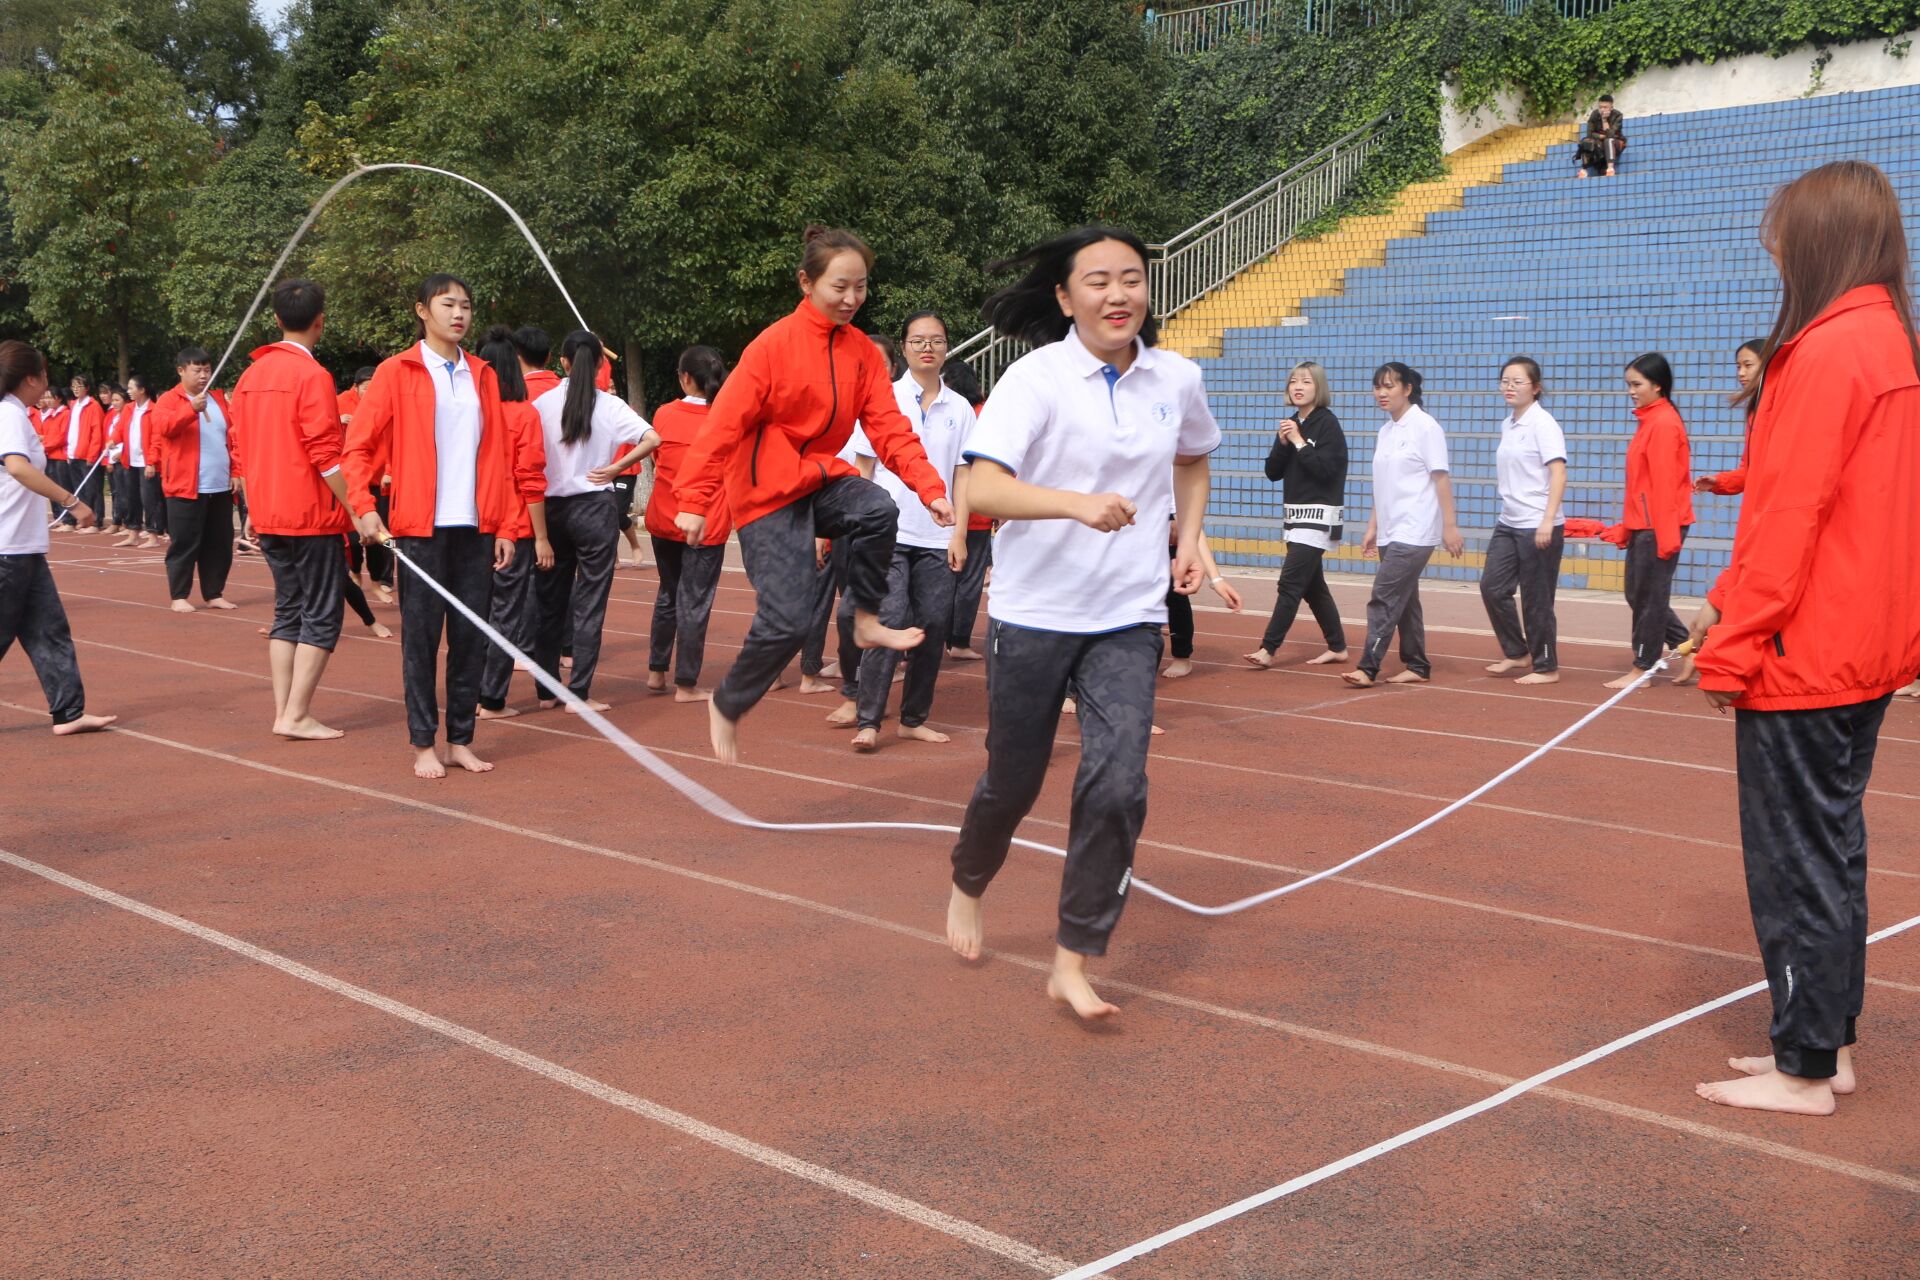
x: 461, y: 560
x: 1028, y: 673
x: 778, y: 550
x: 153, y: 504
x: 94, y: 491
x: 1395, y: 605
x: 1303, y: 576
x: 968, y: 586
x: 583, y: 528
x: 31, y: 612
x: 623, y: 487
x: 830, y: 583
x: 57, y: 472
x: 515, y: 614
x: 309, y: 587
x: 1656, y: 627
x: 689, y: 580
x: 128, y: 506
x: 1515, y: 563
x: 919, y: 594
x: 201, y: 533
x: 1179, y: 617
x: 1803, y: 778
x: 379, y: 559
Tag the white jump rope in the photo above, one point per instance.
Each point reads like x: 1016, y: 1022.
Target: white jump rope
x: 723, y: 809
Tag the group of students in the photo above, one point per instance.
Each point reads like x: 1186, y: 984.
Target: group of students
x: 472, y: 470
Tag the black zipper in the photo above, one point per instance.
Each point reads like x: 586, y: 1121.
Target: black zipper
x: 759, y: 432
x: 1779, y: 646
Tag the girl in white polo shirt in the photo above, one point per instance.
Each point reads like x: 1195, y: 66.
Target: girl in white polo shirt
x: 1079, y: 437
x: 1524, y: 552
x: 30, y: 609
x: 1412, y: 514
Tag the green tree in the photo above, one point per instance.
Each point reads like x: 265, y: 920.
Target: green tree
x: 95, y: 190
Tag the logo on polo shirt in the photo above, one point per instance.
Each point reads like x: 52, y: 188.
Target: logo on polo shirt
x: 1162, y: 412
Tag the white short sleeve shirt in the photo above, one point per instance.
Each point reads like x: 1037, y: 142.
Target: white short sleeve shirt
x: 456, y: 440
x: 23, y: 513
x: 136, y: 435
x: 567, y: 464
x: 943, y: 428
x: 1406, y: 505
x: 1527, y: 445
x: 1061, y: 418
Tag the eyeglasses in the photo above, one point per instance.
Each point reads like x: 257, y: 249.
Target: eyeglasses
x: 1514, y: 384
x: 926, y: 344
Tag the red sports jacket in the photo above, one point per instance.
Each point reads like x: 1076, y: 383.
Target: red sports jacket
x: 392, y: 434
x: 678, y: 425
x: 285, y: 436
x: 1820, y: 604
x: 53, y: 432
x: 1659, y: 493
x: 173, y: 427
x: 93, y: 431
x: 527, y: 447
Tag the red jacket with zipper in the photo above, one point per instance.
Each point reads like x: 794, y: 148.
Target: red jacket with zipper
x: 175, y: 427
x: 527, y: 452
x: 1820, y: 603
x: 678, y: 425
x: 392, y: 435
x: 1659, y: 493
x: 53, y: 432
x: 787, y: 408
x: 93, y: 431
x: 286, y: 436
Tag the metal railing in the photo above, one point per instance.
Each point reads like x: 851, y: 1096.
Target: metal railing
x: 1220, y: 246
x: 1201, y: 27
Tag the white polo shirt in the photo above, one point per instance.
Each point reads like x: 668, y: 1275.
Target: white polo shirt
x: 456, y: 440
x: 1527, y: 445
x: 1063, y: 419
x: 1406, y: 506
x: 568, y: 464
x: 23, y: 513
x: 943, y: 428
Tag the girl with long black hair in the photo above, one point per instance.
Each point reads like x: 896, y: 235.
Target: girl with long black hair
x: 515, y: 610
x: 1093, y: 427
x: 1746, y: 372
x: 689, y: 572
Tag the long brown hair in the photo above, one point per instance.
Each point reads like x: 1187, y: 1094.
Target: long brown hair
x: 1833, y: 229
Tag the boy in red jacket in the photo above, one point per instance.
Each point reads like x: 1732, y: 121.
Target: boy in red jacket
x: 287, y: 444
x: 190, y: 429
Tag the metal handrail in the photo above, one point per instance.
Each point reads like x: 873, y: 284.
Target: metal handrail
x: 1219, y: 247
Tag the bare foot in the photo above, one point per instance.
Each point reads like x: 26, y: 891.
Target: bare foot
x: 221, y: 602
x: 1407, y: 677
x: 724, y: 734
x: 386, y: 592
x: 126, y: 541
x: 566, y: 663
x: 548, y: 704
x: 181, y: 606
x: 463, y: 756
x: 1068, y: 984
x: 592, y: 703
x: 1328, y: 658
x: 382, y: 630
x: 656, y: 682
x: 263, y: 631
x: 1506, y: 665
x: 817, y: 684
x: 848, y: 712
x: 1358, y: 679
x: 1844, y: 1082
x: 684, y: 694
x: 965, y: 655
x: 830, y: 672
x: 1069, y: 707
x: 1688, y: 674
x: 965, y: 931
x: 146, y: 540
x: 899, y: 674
x: 504, y: 713
x: 1156, y: 731
x: 920, y: 733
x: 1177, y: 668
x: 870, y: 633
x: 85, y: 724
x: 866, y: 741
x: 1773, y: 1091
x: 306, y: 729
x: 1624, y: 681
x: 1540, y: 677
x: 426, y: 763
x: 1259, y: 658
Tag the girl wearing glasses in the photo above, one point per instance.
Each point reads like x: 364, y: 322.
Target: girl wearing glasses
x: 1524, y: 552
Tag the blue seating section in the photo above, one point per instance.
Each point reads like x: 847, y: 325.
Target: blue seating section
x: 1581, y: 275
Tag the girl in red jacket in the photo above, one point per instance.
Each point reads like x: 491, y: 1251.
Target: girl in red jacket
x: 1658, y: 511
x: 1816, y: 620
x: 771, y: 439
x: 431, y: 419
x: 689, y: 574
x: 1746, y: 368
x: 514, y: 612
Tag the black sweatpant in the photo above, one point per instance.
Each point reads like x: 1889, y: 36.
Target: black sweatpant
x: 94, y: 491
x: 689, y: 580
x: 128, y: 506
x: 57, y: 472
x: 1515, y: 563
x: 309, y: 587
x: 1803, y: 778
x: 778, y: 550
x: 1395, y: 604
x: 459, y: 558
x: 31, y: 612
x: 201, y: 533
x: 968, y: 586
x: 1028, y: 672
x: 623, y: 487
x: 1656, y: 627
x: 515, y: 614
x: 583, y: 528
x: 153, y: 503
x: 379, y: 559
x: 1303, y: 576
x: 919, y: 594
x: 830, y: 583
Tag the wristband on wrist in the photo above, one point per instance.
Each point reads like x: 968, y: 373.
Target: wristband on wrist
x: 73, y: 500
x: 1217, y: 579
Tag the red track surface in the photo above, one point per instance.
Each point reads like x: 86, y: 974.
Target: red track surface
x: 175, y: 1108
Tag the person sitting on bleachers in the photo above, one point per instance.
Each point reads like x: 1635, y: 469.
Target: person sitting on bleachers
x: 1599, y: 152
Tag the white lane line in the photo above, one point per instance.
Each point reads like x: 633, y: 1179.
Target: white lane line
x: 1518, y: 1089
x: 1206, y: 1008
x: 746, y: 1148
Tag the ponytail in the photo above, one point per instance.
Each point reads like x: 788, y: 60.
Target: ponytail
x: 706, y: 367
x: 583, y: 354
x: 498, y: 349
x: 1405, y: 375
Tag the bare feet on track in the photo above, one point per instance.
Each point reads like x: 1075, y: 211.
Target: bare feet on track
x: 1328, y: 658
x: 1259, y: 658
x: 1773, y: 1091
x: 684, y: 694
x: 1408, y: 677
x: 964, y: 655
x: 1068, y: 984
x: 1844, y: 1081
x: 724, y: 734
x: 463, y: 757
x: 656, y: 682
x: 1624, y: 681
x: 1069, y: 708
x: 1507, y: 666
x: 307, y: 730
x: 830, y: 672
x: 1540, y: 677
x: 127, y: 541
x: 85, y: 724
x: 965, y: 931
x: 382, y: 630
x: 817, y: 684
x: 1177, y: 668
x: 848, y: 712
x: 504, y: 713
x: 593, y: 704
x: 427, y: 763
x: 1155, y: 731
x: 866, y: 741
x: 1358, y: 679
x: 920, y: 733
x: 1688, y: 674
x: 566, y: 663
x: 181, y: 606
x: 870, y: 633
x: 146, y: 540
x: 385, y: 592
x: 221, y: 602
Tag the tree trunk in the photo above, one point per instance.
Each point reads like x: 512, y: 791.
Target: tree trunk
x: 122, y: 332
x: 636, y: 386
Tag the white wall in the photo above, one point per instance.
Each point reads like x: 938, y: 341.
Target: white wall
x: 1705, y: 86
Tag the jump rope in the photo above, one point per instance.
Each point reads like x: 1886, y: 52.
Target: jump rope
x: 725, y: 810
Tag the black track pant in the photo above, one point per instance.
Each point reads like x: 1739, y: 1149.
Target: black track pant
x: 583, y: 528
x: 56, y: 471
x: 127, y: 509
x: 778, y: 550
x: 94, y: 491
x: 153, y: 504
x: 379, y: 559
x: 461, y: 560
x: 1179, y: 617
x: 1514, y: 563
x: 689, y: 580
x: 919, y: 594
x: 1656, y: 627
x: 515, y: 614
x: 830, y: 584
x: 201, y: 537
x: 31, y: 612
x: 309, y: 587
x: 1303, y: 576
x: 1395, y: 604
x: 1803, y: 777
x: 1028, y: 672
x: 968, y: 586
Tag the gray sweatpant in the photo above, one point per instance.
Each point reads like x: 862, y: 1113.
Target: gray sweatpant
x: 919, y: 594
x: 1395, y: 605
x: 1514, y: 563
